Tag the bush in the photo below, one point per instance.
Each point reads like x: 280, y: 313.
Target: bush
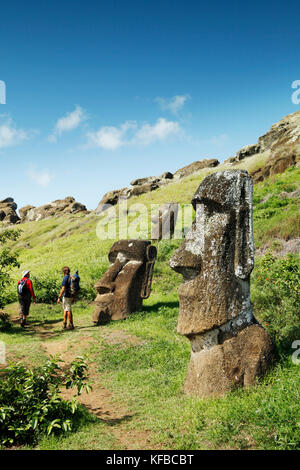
x: 8, y: 260
x: 4, y: 322
x: 276, y: 297
x: 30, y: 401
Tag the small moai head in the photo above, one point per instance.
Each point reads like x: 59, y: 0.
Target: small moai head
x: 217, y: 256
x: 163, y: 221
x: 126, y: 282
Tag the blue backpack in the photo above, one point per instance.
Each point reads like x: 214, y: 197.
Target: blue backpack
x: 74, y: 284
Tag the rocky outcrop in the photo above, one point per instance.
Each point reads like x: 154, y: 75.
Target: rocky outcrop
x: 150, y: 183
x: 282, y: 142
x: 8, y: 213
x: 278, y: 162
x: 139, y: 186
x: 53, y: 209
x: 195, y: 167
x: 228, y: 346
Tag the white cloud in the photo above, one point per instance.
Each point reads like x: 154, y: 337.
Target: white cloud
x: 41, y: 177
x: 161, y: 130
x: 174, y: 105
x: 68, y: 123
x: 128, y: 133
x: 110, y: 137
x: 10, y: 135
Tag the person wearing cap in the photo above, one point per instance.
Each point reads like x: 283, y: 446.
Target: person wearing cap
x: 66, y: 295
x: 25, y: 294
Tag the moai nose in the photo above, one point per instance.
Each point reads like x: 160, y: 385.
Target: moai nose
x: 186, y: 263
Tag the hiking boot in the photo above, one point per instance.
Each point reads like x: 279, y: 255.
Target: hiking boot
x: 23, y: 322
x: 71, y: 326
x: 64, y: 326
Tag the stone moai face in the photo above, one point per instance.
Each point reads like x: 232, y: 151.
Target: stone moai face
x: 126, y: 282
x: 216, y: 261
x: 163, y: 222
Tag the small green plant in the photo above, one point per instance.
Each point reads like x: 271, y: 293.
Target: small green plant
x: 8, y: 260
x: 31, y: 404
x: 4, y: 322
x: 276, y: 296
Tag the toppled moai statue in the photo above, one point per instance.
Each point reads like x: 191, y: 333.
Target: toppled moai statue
x: 126, y: 282
x: 228, y: 346
x: 163, y: 222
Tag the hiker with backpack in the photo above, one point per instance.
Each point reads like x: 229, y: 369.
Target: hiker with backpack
x: 69, y: 290
x: 25, y: 293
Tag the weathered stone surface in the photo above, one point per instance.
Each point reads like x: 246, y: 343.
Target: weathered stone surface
x: 24, y: 210
x: 142, y: 181
x: 111, y: 198
x: 166, y: 176
x: 8, y: 213
x: 143, y: 188
x: 247, y: 151
x: 196, y: 166
x: 238, y: 361
x: 163, y: 221
x: 53, y: 209
x: 278, y: 162
x: 126, y: 282
x: 282, y: 142
x: 216, y: 261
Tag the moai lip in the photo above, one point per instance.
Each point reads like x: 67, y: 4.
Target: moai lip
x: 126, y: 282
x: 228, y: 346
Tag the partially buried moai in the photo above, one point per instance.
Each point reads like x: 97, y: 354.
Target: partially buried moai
x: 228, y: 346
x: 126, y: 282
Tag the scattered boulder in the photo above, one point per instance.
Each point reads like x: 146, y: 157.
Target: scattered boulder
x: 278, y: 162
x: 143, y: 181
x: 53, y: 209
x: 126, y: 282
x: 195, y: 167
x: 111, y: 198
x: 229, y: 347
x: 247, y: 151
x: 143, y: 188
x: 8, y: 213
x: 282, y: 142
x: 293, y: 195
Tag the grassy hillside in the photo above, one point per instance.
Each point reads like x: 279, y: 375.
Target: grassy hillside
x: 138, y: 366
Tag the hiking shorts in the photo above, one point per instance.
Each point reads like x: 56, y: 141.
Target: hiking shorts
x: 24, y: 305
x: 67, y: 304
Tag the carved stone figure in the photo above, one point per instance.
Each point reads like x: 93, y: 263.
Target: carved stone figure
x: 163, y: 222
x: 228, y: 346
x: 126, y: 282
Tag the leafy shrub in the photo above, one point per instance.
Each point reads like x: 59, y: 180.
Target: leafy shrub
x: 4, y: 322
x: 31, y: 404
x: 46, y: 288
x: 276, y: 297
x: 8, y: 260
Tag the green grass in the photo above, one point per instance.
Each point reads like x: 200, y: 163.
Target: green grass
x: 145, y: 376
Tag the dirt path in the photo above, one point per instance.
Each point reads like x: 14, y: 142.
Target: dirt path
x: 100, y: 400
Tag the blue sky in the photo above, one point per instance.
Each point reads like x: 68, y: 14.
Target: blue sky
x: 101, y: 92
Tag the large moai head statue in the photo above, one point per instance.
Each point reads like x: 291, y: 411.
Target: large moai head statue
x: 229, y: 347
x: 126, y: 282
